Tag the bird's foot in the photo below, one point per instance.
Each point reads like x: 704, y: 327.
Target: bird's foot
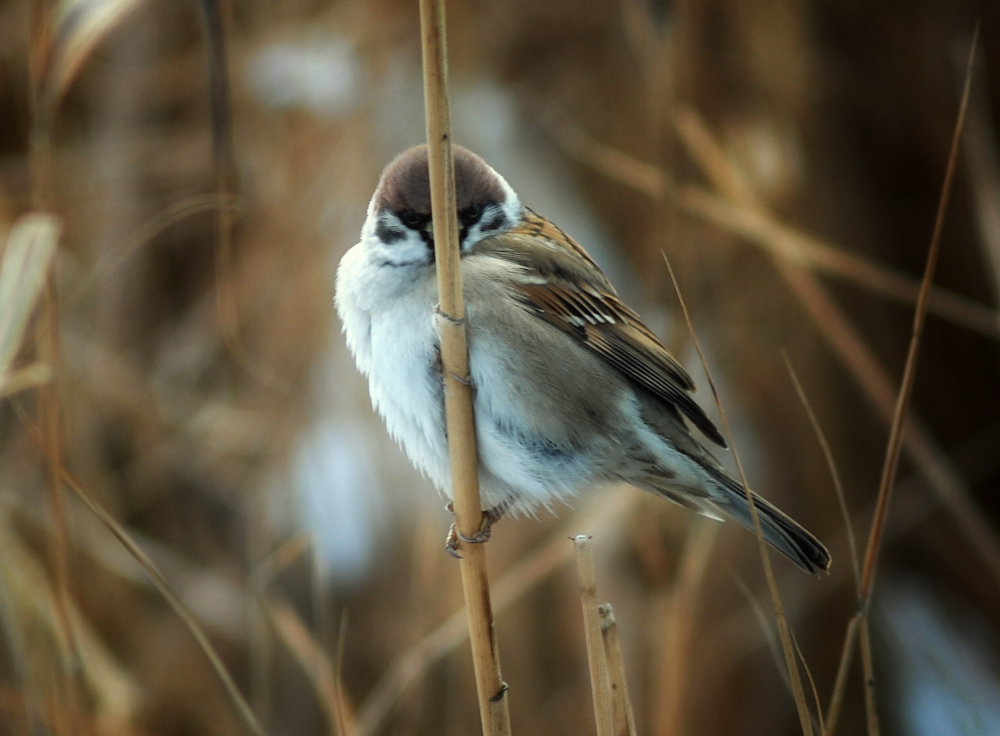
x: 490, y: 517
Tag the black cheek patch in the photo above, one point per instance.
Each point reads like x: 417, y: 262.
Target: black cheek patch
x: 495, y: 222
x: 388, y: 234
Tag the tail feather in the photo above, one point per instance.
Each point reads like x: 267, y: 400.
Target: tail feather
x: 780, y: 530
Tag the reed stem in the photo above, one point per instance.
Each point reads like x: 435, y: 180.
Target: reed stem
x: 600, y: 681
x: 492, y: 690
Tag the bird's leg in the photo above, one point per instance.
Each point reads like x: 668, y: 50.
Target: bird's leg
x: 490, y: 517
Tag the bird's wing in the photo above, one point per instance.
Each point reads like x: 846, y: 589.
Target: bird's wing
x: 561, y: 284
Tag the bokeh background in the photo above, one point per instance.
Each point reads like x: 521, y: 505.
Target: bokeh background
x: 787, y: 155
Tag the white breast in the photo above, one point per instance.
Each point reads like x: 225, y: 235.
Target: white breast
x: 527, y: 459
x: 387, y: 318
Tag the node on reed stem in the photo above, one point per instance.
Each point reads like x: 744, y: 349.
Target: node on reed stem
x: 623, y: 717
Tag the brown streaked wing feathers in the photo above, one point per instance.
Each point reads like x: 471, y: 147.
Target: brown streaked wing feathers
x: 577, y: 298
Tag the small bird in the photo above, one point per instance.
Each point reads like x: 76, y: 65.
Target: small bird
x: 571, y: 390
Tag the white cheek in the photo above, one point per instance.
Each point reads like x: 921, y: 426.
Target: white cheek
x: 512, y: 210
x: 410, y: 250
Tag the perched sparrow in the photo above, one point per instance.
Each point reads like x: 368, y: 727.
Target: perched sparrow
x: 571, y: 389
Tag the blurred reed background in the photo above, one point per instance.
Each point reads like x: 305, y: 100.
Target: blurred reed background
x: 787, y: 155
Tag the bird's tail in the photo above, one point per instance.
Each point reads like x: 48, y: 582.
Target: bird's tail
x: 729, y: 499
x: 780, y: 530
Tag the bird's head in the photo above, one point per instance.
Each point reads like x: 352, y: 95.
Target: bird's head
x: 400, y: 226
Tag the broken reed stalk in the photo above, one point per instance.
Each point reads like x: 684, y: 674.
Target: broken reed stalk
x: 600, y: 681
x: 623, y: 716
x: 520, y: 578
x: 898, y: 426
x: 787, y: 648
x: 493, y: 708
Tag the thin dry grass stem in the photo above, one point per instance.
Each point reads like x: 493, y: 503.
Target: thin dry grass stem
x: 840, y: 685
x: 808, y: 251
x: 600, y: 680
x: 909, y: 372
x: 112, y: 260
x: 847, y: 654
x: 749, y: 220
x: 61, y: 37
x: 931, y: 460
x: 323, y: 675
x: 818, y: 723
x: 730, y: 636
x: 217, y: 15
x: 976, y: 457
x: 178, y: 606
x: 42, y: 42
x: 773, y: 646
x: 511, y: 586
x: 50, y: 422
x: 839, y: 334
x: 898, y: 424
x: 763, y: 625
x: 680, y: 625
x: 460, y: 423
x: 259, y: 638
x: 320, y: 602
x: 624, y: 717
x: 29, y: 604
x: 843, y: 671
x: 852, y: 543
x: 283, y: 556
x: 805, y: 717
x: 868, y: 671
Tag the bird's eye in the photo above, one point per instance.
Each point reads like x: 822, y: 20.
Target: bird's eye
x: 410, y: 218
x: 474, y: 210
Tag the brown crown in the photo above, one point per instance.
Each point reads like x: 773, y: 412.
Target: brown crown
x: 406, y: 184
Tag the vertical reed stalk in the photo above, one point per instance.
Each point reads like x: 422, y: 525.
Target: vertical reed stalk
x: 600, y: 682
x: 624, y: 718
x: 493, y: 707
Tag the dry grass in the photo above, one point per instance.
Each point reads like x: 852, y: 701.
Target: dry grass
x: 167, y: 339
